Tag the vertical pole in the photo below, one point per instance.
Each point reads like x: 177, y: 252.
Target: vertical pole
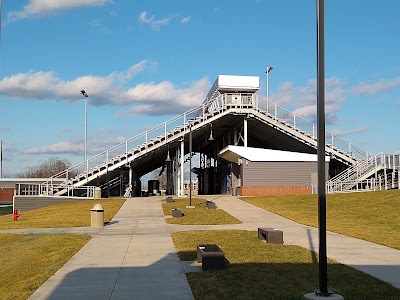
x: 182, y: 163
x: 190, y: 164
x: 165, y: 131
x: 130, y: 181
x: 245, y: 132
x: 323, y: 272
x: 267, y: 88
x: 86, y: 129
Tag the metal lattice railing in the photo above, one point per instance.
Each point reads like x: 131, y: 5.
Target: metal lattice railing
x: 357, y: 175
x: 165, y: 132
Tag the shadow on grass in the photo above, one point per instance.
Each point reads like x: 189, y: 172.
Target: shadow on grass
x: 236, y: 281
x: 285, y: 281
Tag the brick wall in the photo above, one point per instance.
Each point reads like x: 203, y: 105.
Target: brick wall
x: 273, y: 190
x: 6, y: 195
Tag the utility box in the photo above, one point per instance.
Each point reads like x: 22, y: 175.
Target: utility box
x: 97, y: 193
x: 97, y: 216
x: 177, y: 213
x: 169, y: 199
x: 211, y: 204
x: 270, y: 235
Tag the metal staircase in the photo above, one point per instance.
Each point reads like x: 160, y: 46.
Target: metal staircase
x: 372, y: 173
x: 175, y: 129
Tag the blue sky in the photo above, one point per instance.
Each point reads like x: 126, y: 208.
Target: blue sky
x: 142, y: 62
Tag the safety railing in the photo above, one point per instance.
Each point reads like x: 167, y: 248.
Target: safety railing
x: 304, y: 126
x: 355, y: 174
x: 23, y: 189
x: 165, y: 132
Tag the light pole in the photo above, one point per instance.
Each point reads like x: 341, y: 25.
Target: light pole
x: 85, y: 95
x: 269, y: 69
x: 323, y: 291
x: 190, y: 163
x: 323, y: 263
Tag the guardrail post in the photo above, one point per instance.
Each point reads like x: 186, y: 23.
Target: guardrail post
x: 276, y: 114
x: 87, y: 170
x: 126, y: 151
x: 146, y: 140
x: 332, y: 140
x: 184, y: 123
x: 313, y: 131
x: 165, y: 131
x: 294, y: 120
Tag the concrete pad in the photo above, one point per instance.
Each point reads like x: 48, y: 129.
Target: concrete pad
x: 192, y: 266
x: 312, y: 296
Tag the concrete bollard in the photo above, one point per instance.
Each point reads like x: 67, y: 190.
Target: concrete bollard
x: 97, y: 216
x: 97, y: 193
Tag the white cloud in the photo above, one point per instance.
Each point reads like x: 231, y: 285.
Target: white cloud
x: 99, y: 26
x: 40, y: 8
x: 46, y: 85
x: 302, y: 100
x: 284, y: 95
x: 65, y: 147
x: 113, y: 89
x: 185, y: 20
x: 164, y: 98
x: 358, y: 130
x: 155, y: 24
x: 103, y: 139
x: 377, y: 87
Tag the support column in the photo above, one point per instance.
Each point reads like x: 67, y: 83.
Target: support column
x: 245, y: 132
x: 169, y: 178
x: 130, y: 176
x: 235, y: 136
x: 182, y: 176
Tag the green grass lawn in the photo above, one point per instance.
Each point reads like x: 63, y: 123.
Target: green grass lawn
x: 68, y: 214
x: 200, y: 215
x: 28, y: 260
x: 266, y: 271
x: 371, y: 216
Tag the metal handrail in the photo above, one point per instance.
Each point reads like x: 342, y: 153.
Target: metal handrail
x: 23, y: 189
x: 163, y: 132
x: 351, y: 175
x: 333, y: 141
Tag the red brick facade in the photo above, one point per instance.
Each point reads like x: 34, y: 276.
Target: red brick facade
x: 273, y: 190
x: 6, y: 195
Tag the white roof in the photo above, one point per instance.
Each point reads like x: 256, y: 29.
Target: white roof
x: 238, y: 83
x: 234, y: 153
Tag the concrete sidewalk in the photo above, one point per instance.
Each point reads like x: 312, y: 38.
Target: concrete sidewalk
x: 133, y: 258
x: 377, y: 260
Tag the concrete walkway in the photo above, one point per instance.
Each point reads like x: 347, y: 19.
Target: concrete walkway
x: 377, y: 260
x: 133, y: 258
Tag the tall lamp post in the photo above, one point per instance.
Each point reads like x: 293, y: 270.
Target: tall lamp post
x: 269, y: 69
x: 323, y: 291
x: 190, y: 163
x: 85, y: 95
x: 323, y: 264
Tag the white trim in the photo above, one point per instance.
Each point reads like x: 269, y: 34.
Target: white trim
x: 234, y: 153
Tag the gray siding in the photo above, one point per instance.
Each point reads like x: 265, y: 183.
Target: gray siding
x: 25, y: 203
x: 278, y: 173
